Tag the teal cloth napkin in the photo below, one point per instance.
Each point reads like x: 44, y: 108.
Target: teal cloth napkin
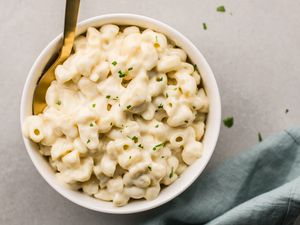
x: 260, y: 186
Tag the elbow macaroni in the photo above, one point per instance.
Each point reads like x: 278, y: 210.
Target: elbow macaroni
x: 125, y: 114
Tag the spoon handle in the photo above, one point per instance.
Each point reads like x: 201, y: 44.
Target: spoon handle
x: 71, y: 14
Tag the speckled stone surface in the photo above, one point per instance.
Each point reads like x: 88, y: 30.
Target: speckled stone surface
x: 253, y: 50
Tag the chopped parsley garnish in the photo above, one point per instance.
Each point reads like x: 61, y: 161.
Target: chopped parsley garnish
x: 221, y: 8
x: 167, y: 95
x: 115, y: 98
x: 172, y: 172
x: 121, y: 74
x: 140, y: 146
x: 131, y: 68
x: 91, y: 124
x: 159, y: 79
x: 162, y: 157
x: 149, y: 167
x: 134, y: 138
x: 259, y: 137
x: 228, y: 122
x: 108, y: 96
x: 114, y: 63
x: 128, y: 107
x: 88, y: 141
x: 286, y: 111
x: 130, y: 157
x: 156, y: 126
x: 94, y: 105
x: 204, y: 26
x: 160, y: 106
x: 161, y: 145
x: 58, y: 102
x: 195, y: 67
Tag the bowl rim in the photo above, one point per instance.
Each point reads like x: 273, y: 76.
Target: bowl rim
x: 217, y: 116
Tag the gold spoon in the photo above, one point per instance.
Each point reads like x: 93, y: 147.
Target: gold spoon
x: 71, y: 14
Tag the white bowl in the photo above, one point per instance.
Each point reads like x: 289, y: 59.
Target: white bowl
x: 209, y: 141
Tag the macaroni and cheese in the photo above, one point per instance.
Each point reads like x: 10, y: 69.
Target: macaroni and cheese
x: 124, y: 117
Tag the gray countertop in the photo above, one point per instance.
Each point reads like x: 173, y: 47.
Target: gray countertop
x: 253, y: 50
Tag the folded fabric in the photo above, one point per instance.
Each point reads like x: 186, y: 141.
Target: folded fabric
x: 260, y: 186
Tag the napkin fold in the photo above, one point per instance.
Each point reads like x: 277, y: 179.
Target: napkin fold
x: 260, y: 186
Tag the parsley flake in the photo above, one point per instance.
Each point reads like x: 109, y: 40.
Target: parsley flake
x: 131, y: 68
x: 140, y: 146
x: 91, y: 124
x: 186, y: 121
x: 114, y: 63
x: 160, y: 106
x: 128, y: 107
x: 228, y: 122
x: 156, y: 126
x: 167, y: 95
x: 221, y: 8
x: 259, y: 137
x: 171, y: 173
x: 94, y: 105
x: 121, y: 74
x: 88, y: 141
x: 130, y: 157
x: 161, y: 145
x: 204, y: 26
x: 195, y: 67
x: 149, y: 167
x: 108, y: 96
x: 159, y: 79
x: 58, y: 102
x: 134, y: 138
